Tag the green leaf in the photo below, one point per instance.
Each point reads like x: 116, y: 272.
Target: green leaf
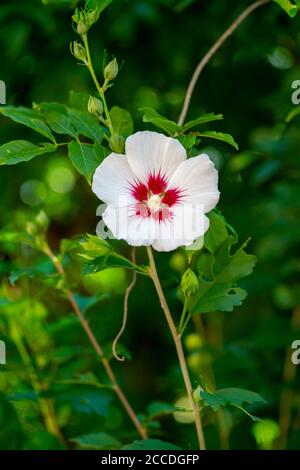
x: 122, y: 121
x: 100, y: 255
x: 15, y: 237
x: 111, y: 260
x: 28, y: 117
x: 94, y: 246
x: 99, y: 5
x: 78, y: 100
x: 85, y: 399
x: 85, y: 158
x: 18, y: 151
x: 40, y: 272
x: 57, y: 118
x: 11, y: 435
x: 150, y: 115
x: 86, y: 125
x: 292, y: 114
x: 98, y: 440
x: 183, y: 4
x: 202, y: 120
x: 218, y: 274
x: 158, y: 408
x: 217, y: 232
x: 188, y: 141
x: 151, y: 444
x: 219, y: 136
x: 237, y: 397
x: 288, y: 7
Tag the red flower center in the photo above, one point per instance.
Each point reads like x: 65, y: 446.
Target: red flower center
x: 154, y: 199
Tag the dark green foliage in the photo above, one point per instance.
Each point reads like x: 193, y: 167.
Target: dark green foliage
x: 51, y: 366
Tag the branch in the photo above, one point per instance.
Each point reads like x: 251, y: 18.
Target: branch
x: 178, y: 344
x: 97, y: 347
x: 211, y: 53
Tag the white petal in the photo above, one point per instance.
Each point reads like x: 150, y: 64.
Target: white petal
x: 151, y: 152
x: 188, y: 224
x: 137, y: 231
x: 112, y: 179
x: 198, y: 179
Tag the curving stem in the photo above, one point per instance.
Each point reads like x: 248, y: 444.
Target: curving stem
x: 216, y: 46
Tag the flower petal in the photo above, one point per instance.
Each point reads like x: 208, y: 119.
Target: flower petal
x: 188, y: 224
x: 112, y: 180
x: 152, y: 153
x: 197, y: 178
x: 124, y: 225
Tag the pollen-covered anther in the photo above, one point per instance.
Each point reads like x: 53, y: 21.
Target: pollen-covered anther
x: 155, y: 203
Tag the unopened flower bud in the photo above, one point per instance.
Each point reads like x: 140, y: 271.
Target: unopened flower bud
x: 197, y: 394
x: 42, y: 220
x: 92, y: 17
x: 189, y: 283
x: 95, y: 106
x: 111, y: 70
x: 82, y: 27
x: 32, y: 229
x: 78, y: 51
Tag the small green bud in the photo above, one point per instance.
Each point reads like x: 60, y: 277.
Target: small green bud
x: 193, y: 341
x: 82, y: 28
x: 42, y: 221
x: 91, y: 17
x: 189, y: 283
x: 38, y: 226
x: 95, y: 106
x: 78, y: 51
x: 32, y: 229
x: 196, y: 394
x: 85, y: 19
x: 111, y: 70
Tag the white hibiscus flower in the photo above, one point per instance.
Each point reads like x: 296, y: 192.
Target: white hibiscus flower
x: 154, y: 194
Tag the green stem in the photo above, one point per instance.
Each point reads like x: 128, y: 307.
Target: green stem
x: 101, y: 91
x: 179, y: 348
x: 182, y: 318
x: 45, y: 405
x: 187, y: 319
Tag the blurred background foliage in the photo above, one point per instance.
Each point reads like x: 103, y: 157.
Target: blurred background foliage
x: 49, y: 393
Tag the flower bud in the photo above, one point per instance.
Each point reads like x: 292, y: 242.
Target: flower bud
x: 189, y: 283
x: 91, y: 17
x: 42, y: 221
x: 85, y: 19
x: 32, y: 229
x: 111, y: 70
x: 82, y: 28
x: 78, y: 51
x: 95, y: 106
x: 193, y: 342
x: 197, y: 394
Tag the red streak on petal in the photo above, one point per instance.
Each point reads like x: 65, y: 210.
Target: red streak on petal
x: 162, y: 215
x: 156, y: 183
x: 171, y: 197
x: 139, y: 191
x: 141, y: 210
